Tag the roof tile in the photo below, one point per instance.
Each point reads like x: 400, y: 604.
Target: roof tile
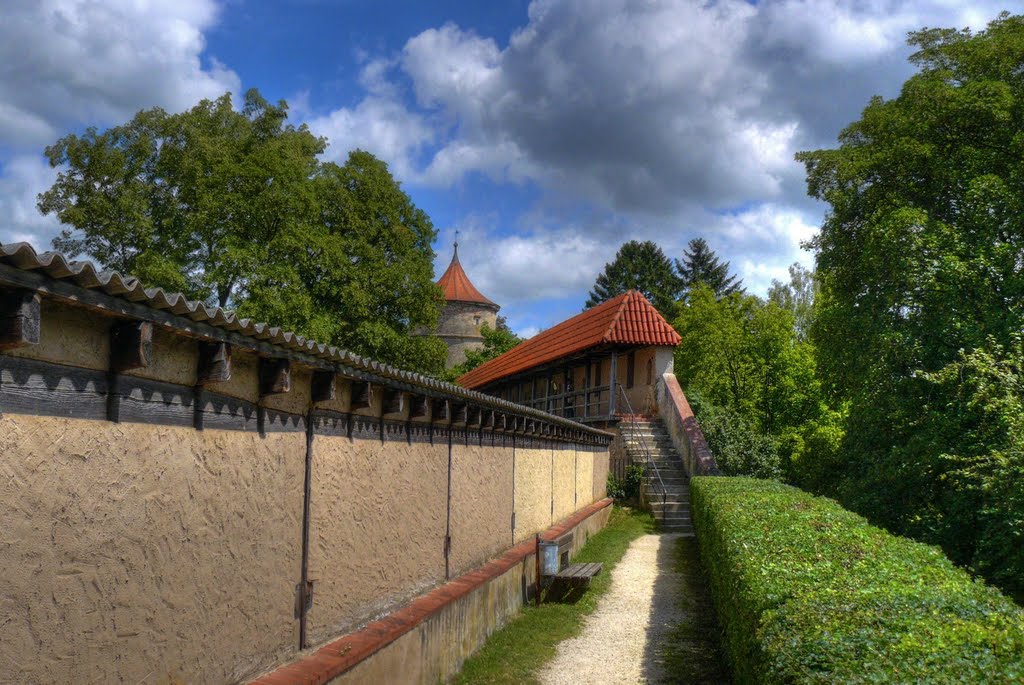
x: 456, y: 284
x: 628, y: 319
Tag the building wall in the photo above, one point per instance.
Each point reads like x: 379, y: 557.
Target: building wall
x: 459, y: 326
x: 165, y: 544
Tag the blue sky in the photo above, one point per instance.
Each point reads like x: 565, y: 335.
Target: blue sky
x: 547, y: 133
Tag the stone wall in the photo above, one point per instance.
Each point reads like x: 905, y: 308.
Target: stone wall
x: 459, y: 326
x: 152, y: 528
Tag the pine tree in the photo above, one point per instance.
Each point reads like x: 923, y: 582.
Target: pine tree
x: 700, y: 264
x: 639, y: 266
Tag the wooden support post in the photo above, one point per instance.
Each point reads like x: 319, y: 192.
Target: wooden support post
x: 131, y: 346
x: 460, y: 413
x: 323, y: 386
x: 417, y: 407
x: 441, y: 410
x: 362, y: 395
x: 20, y: 318
x: 473, y: 416
x: 275, y: 376
x: 488, y: 419
x: 394, y: 402
x: 612, y: 388
x: 586, y: 390
x: 214, y: 363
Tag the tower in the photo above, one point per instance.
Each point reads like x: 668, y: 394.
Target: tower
x: 465, y: 311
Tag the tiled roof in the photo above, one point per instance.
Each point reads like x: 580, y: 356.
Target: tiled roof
x: 62, y: 279
x: 628, y: 319
x: 456, y: 284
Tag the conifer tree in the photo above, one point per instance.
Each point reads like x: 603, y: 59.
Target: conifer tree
x: 700, y: 264
x: 639, y: 266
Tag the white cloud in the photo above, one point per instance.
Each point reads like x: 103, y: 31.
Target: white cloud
x: 74, y: 62
x: 21, y: 179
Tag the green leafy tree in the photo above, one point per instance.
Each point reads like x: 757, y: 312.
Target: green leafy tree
x: 497, y: 341
x: 235, y: 208
x: 918, y: 262
x: 700, y: 264
x: 796, y: 297
x: 639, y: 266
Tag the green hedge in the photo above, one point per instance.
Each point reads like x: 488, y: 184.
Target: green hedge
x: 808, y: 592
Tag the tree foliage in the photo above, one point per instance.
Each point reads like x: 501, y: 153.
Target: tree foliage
x: 754, y: 382
x: 497, y: 341
x: 796, y: 297
x: 700, y: 265
x: 920, y: 264
x: 639, y: 266
x: 235, y: 208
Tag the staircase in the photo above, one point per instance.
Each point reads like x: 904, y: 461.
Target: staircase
x: 641, y: 435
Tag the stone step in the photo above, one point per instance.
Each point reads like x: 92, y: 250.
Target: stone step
x: 659, y: 509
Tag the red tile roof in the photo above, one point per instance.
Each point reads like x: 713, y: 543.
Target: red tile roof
x: 628, y: 319
x: 456, y: 284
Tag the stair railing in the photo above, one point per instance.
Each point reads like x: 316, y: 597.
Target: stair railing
x: 637, y: 438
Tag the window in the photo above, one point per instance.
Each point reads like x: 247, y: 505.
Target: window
x: 630, y: 369
x: 650, y: 372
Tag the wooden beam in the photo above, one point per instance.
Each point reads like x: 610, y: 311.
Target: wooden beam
x: 131, y: 345
x: 275, y: 376
x: 460, y: 412
x: 362, y: 395
x: 214, y: 363
x: 488, y: 419
x: 441, y: 410
x: 612, y: 389
x: 20, y: 318
x: 323, y: 386
x: 473, y: 416
x: 418, y: 406
x: 394, y: 401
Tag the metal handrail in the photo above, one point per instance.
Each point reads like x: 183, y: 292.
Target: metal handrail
x: 634, y: 431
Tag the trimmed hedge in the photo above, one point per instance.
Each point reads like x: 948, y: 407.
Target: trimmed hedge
x: 808, y: 592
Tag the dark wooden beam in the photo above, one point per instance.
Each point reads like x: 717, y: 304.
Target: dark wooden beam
x: 214, y: 363
x: 460, y: 413
x: 323, y: 386
x: 394, y: 401
x: 20, y: 319
x: 612, y: 382
x: 441, y: 410
x: 131, y: 345
x: 362, y: 395
x: 488, y: 419
x: 275, y: 376
x: 418, y: 406
x: 473, y: 416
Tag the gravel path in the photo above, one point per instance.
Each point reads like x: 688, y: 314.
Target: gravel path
x: 622, y: 640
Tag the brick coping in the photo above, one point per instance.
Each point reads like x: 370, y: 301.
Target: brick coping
x: 338, y: 656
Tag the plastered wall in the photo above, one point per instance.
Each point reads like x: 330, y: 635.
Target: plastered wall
x: 533, y: 491
x: 136, y: 553
x: 377, y: 526
x: 481, y: 513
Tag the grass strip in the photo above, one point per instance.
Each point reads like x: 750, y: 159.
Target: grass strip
x: 516, y: 653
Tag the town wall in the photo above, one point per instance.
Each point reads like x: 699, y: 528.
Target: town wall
x: 153, y: 525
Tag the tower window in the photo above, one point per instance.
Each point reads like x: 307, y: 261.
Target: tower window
x: 476, y: 320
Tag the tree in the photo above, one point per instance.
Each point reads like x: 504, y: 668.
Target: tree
x: 700, y: 264
x: 796, y: 297
x: 641, y: 266
x: 236, y: 209
x: 919, y: 262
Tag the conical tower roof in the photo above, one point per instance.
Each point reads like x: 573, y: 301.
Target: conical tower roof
x: 457, y: 287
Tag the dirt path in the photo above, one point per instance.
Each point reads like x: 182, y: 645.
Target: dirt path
x: 655, y: 624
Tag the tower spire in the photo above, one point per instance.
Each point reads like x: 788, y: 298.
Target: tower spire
x: 456, y: 255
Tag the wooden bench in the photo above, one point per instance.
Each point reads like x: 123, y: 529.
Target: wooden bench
x: 553, y: 564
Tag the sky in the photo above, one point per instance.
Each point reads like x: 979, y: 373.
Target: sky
x: 546, y: 133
